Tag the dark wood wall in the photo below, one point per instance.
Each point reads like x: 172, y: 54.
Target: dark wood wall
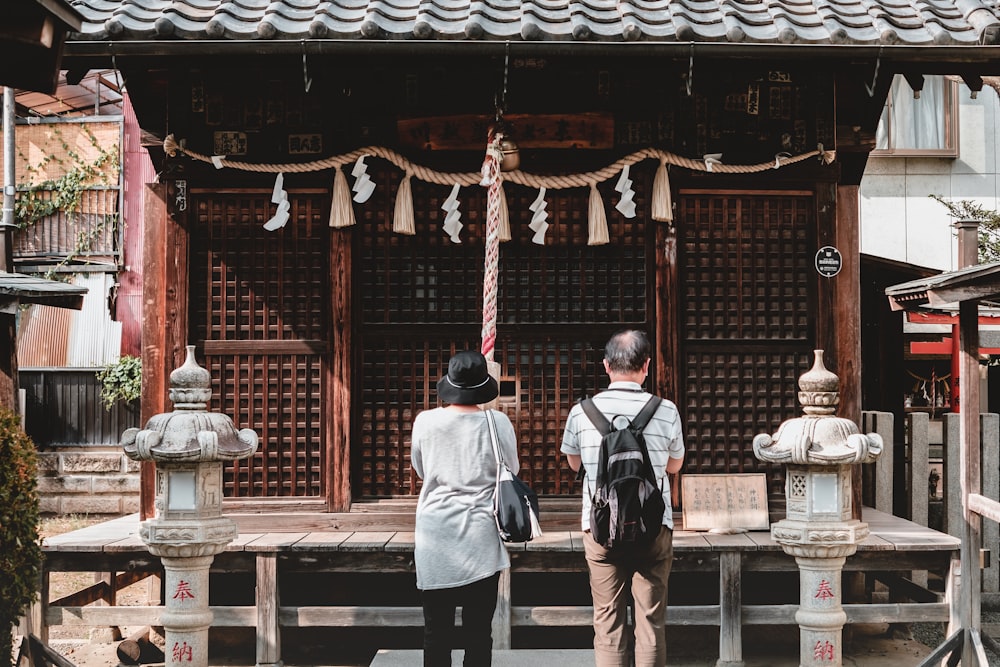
x: 327, y: 342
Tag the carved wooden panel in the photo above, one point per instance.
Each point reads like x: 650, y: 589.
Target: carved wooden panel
x: 260, y: 315
x: 746, y: 278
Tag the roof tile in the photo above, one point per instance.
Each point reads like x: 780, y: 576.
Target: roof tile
x: 911, y: 22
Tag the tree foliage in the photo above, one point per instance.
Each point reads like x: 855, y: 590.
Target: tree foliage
x: 20, y: 544
x: 989, y: 224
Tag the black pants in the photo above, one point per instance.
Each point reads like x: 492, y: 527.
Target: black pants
x: 478, y: 601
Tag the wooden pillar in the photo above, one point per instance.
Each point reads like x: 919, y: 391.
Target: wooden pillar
x: 165, y: 313
x: 340, y: 373
x: 968, y: 331
x: 838, y: 304
x: 667, y: 375
x: 154, y: 327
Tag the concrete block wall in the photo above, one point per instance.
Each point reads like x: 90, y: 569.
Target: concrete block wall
x: 91, y: 480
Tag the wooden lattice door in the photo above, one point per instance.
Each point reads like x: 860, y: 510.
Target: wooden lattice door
x: 260, y: 313
x: 421, y: 300
x: 746, y: 334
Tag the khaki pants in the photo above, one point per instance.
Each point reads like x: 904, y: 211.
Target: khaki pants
x: 613, y: 577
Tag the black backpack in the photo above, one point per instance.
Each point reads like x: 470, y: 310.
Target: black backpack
x: 627, y: 507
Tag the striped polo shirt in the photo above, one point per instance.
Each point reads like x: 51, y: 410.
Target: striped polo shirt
x: 662, y: 434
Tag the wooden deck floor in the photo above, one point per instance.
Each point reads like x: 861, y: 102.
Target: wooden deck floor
x: 273, y: 547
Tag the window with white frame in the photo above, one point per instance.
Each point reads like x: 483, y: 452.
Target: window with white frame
x: 919, y: 126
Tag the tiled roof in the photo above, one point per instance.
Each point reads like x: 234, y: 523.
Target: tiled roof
x: 859, y: 22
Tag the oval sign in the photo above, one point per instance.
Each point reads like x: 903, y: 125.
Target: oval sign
x: 829, y: 261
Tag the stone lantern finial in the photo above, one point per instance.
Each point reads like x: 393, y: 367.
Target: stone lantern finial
x: 819, y: 437
x: 190, y: 432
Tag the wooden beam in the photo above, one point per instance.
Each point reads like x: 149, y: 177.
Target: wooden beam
x: 222, y: 347
x: 983, y: 506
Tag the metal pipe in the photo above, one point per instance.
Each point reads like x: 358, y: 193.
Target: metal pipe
x: 9, y: 184
x: 9, y: 156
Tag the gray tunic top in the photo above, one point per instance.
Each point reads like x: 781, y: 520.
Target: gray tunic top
x: 456, y: 540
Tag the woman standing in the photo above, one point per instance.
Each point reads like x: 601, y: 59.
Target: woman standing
x: 457, y: 550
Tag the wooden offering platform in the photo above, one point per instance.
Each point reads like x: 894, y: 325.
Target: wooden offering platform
x: 291, y: 552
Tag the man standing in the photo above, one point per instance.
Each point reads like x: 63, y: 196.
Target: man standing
x: 643, y: 571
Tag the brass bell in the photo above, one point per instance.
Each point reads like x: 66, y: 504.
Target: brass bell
x: 511, y: 159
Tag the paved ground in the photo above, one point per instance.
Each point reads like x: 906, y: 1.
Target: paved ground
x: 763, y: 646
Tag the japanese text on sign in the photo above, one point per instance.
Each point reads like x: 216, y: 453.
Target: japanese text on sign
x: 713, y: 502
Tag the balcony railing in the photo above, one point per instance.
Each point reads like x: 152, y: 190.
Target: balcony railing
x: 91, y: 232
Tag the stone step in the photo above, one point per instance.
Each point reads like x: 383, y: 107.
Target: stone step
x: 559, y: 657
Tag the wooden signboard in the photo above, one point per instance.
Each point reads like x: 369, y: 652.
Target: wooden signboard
x: 725, y: 502
x: 469, y: 132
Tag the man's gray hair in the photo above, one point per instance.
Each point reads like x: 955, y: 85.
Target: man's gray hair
x: 627, y: 351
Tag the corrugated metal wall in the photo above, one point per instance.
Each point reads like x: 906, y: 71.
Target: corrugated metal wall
x: 87, y: 338
x: 64, y: 408
x: 95, y: 339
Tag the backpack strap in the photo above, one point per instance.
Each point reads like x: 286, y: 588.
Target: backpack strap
x: 595, y: 416
x: 647, y: 412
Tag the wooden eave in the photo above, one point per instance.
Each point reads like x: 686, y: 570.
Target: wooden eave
x: 18, y: 288
x: 946, y: 290
x: 63, y: 11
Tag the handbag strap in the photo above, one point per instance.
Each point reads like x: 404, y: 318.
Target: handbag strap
x: 493, y: 436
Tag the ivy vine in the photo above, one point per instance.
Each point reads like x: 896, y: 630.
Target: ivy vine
x: 37, y: 200
x: 121, y: 381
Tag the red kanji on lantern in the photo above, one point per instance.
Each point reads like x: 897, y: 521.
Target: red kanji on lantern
x: 823, y: 651
x: 182, y: 652
x: 183, y: 591
x: 824, y: 592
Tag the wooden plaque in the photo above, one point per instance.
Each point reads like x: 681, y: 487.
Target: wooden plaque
x: 469, y: 132
x: 725, y: 502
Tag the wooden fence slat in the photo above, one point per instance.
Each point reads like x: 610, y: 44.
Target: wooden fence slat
x: 882, y: 424
x: 989, y: 428
x: 268, y: 628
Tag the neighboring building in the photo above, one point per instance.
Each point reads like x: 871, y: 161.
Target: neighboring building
x: 84, y: 130
x: 943, y: 143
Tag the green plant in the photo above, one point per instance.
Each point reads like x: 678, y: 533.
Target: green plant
x: 20, y: 544
x: 121, y: 381
x: 989, y: 224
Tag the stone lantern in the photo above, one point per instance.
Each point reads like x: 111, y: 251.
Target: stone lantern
x: 188, y: 529
x: 819, y: 451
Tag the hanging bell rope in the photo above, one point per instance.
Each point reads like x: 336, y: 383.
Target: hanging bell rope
x: 493, y: 179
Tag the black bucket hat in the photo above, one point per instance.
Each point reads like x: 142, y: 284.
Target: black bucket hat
x: 468, y: 381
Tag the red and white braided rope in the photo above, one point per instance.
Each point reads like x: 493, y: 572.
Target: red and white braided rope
x: 492, y: 264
